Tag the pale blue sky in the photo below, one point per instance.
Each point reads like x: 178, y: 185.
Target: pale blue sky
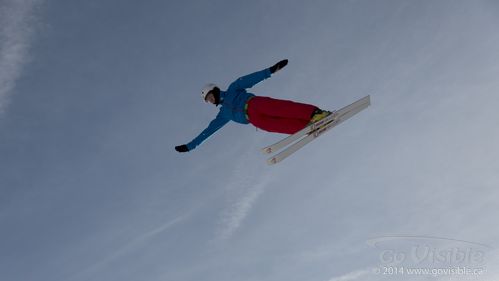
x: 94, y: 95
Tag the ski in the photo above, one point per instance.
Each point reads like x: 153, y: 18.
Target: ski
x: 296, y: 136
x: 339, y: 116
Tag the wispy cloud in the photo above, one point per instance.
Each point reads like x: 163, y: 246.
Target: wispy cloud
x: 354, y: 275
x: 237, y: 212
x: 132, y: 245
x: 17, y: 24
x: 243, y: 190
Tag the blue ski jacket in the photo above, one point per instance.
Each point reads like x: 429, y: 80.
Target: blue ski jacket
x: 233, y: 102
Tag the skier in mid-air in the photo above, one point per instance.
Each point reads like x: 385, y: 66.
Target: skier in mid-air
x: 269, y: 114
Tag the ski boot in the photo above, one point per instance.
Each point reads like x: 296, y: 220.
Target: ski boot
x: 318, y: 115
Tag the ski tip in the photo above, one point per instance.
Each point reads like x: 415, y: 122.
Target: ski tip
x: 368, y: 98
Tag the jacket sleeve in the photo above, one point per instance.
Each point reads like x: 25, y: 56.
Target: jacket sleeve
x: 250, y: 80
x: 214, y: 125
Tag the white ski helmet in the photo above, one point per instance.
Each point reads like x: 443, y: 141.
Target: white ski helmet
x: 207, y: 89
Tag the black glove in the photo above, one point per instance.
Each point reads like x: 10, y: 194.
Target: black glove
x: 276, y: 67
x: 182, y: 148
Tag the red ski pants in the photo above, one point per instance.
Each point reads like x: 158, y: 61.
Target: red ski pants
x: 279, y: 116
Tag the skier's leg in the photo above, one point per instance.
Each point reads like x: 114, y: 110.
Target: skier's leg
x: 282, y: 108
x: 275, y: 124
x: 279, y: 125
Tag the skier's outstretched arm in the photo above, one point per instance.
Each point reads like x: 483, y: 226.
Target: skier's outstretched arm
x: 252, y: 79
x: 214, y: 126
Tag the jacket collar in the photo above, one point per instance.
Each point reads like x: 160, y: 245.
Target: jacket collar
x: 222, y: 97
